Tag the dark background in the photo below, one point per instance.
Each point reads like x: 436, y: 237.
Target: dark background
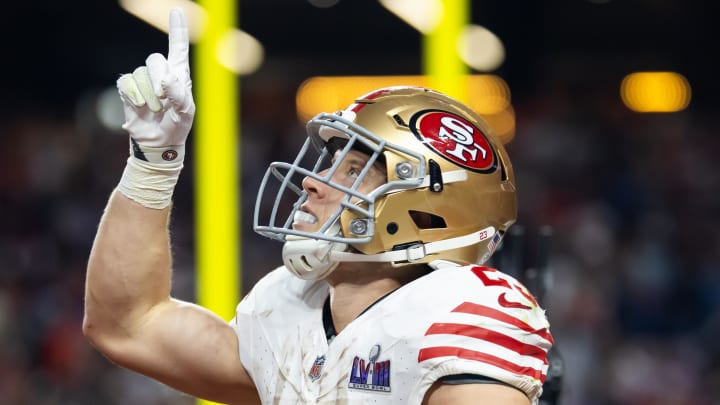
x: 53, y: 51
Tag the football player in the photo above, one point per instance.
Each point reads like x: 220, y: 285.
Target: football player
x: 387, y: 215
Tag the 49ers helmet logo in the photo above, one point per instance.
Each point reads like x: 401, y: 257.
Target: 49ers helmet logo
x: 455, y: 139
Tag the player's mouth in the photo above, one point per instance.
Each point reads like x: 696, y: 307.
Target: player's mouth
x: 302, y: 217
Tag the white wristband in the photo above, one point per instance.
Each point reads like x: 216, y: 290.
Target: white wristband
x: 150, y: 184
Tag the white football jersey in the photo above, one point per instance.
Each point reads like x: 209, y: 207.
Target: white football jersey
x: 455, y: 320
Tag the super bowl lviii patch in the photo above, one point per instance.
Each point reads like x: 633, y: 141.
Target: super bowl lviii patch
x: 370, y: 374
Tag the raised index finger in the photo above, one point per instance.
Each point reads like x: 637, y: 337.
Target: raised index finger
x: 178, y: 42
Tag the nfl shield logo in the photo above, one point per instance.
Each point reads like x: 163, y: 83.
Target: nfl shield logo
x: 316, y: 368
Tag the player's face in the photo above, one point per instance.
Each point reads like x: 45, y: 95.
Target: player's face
x: 324, y: 200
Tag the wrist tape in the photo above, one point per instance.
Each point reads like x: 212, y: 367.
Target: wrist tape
x: 150, y: 177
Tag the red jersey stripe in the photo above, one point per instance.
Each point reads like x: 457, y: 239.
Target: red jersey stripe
x: 443, y: 351
x: 477, y: 309
x: 488, y: 335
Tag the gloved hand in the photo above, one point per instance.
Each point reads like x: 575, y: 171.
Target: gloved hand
x: 159, y: 111
x: 157, y: 99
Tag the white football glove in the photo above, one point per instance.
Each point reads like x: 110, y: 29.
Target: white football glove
x: 159, y: 111
x: 157, y: 98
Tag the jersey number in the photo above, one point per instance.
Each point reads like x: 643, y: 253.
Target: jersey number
x: 493, y: 278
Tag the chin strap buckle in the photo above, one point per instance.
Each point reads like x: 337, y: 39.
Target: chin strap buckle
x: 416, y: 252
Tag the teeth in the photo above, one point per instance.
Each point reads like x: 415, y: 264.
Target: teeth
x: 301, y: 216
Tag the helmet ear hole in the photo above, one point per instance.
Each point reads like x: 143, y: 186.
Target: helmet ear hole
x: 426, y: 220
x: 392, y: 228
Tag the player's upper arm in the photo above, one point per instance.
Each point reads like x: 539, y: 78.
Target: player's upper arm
x: 130, y: 317
x: 472, y: 394
x: 188, y: 348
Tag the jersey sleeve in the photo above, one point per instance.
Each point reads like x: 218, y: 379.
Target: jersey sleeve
x: 494, y: 328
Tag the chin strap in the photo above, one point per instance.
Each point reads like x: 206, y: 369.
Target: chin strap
x: 447, y: 177
x: 416, y: 251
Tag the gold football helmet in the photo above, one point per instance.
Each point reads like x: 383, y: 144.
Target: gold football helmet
x: 449, y: 195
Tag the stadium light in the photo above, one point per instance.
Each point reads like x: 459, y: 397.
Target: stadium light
x: 480, y: 48
x: 649, y: 92
x: 477, y: 46
x: 156, y: 14
x: 488, y: 95
x: 236, y: 50
x: 423, y: 15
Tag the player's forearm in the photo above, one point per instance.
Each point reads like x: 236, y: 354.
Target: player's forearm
x: 129, y: 269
